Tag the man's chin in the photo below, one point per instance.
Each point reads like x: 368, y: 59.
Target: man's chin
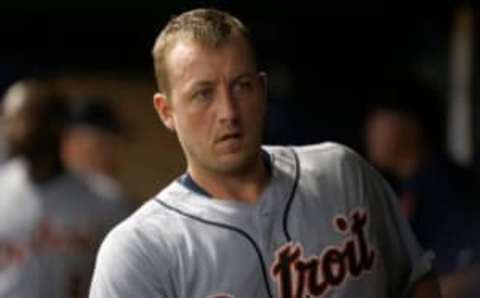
x: 236, y: 162
x: 230, y: 146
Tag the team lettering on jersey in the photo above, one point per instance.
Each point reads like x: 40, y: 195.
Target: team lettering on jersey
x: 299, y: 276
x: 50, y: 238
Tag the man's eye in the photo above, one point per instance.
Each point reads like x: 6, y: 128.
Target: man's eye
x: 204, y: 94
x: 243, y: 86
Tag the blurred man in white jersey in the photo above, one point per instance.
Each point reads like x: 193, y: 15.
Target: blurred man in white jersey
x: 50, y: 223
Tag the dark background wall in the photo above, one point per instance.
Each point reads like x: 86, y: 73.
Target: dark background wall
x: 322, y: 60
x: 329, y: 58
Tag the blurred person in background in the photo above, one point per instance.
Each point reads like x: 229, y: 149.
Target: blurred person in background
x: 404, y: 139
x: 50, y: 222
x: 3, y: 145
x: 92, y: 138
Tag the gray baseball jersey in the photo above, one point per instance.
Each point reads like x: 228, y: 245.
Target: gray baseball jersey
x: 111, y: 194
x: 325, y: 226
x: 48, y: 235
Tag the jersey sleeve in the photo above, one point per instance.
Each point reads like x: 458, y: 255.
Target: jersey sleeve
x: 405, y: 261
x: 124, y: 268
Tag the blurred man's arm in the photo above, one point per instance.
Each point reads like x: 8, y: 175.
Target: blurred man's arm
x: 461, y: 283
x: 426, y: 288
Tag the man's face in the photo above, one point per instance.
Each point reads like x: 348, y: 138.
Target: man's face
x: 19, y: 126
x: 90, y: 149
x: 387, y: 135
x: 216, y: 104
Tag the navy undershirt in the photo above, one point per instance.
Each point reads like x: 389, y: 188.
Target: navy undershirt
x: 187, y: 180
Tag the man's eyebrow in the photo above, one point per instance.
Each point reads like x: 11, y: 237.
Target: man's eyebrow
x: 244, y: 75
x: 201, y: 83
x: 207, y: 83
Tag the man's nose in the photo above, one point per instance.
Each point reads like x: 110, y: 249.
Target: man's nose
x: 228, y: 107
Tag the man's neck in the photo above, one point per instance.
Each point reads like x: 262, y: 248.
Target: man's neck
x: 246, y: 186
x: 409, y: 163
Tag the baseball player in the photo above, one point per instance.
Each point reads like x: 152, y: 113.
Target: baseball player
x: 247, y: 220
x: 93, y: 134
x: 50, y: 224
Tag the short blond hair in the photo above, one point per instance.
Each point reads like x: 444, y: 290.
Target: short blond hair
x: 209, y: 27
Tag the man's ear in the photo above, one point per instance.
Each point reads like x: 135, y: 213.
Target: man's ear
x: 264, y: 81
x: 164, y: 110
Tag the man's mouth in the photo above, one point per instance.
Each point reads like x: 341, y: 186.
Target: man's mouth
x: 230, y: 136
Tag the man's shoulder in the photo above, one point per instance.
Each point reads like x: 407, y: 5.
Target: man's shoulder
x: 135, y: 249
x: 147, y: 224
x: 13, y: 172
x: 139, y: 221
x: 314, y: 155
x: 15, y: 184
x: 134, y: 237
x: 325, y: 149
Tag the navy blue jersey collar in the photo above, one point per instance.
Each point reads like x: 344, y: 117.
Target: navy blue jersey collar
x: 187, y: 181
